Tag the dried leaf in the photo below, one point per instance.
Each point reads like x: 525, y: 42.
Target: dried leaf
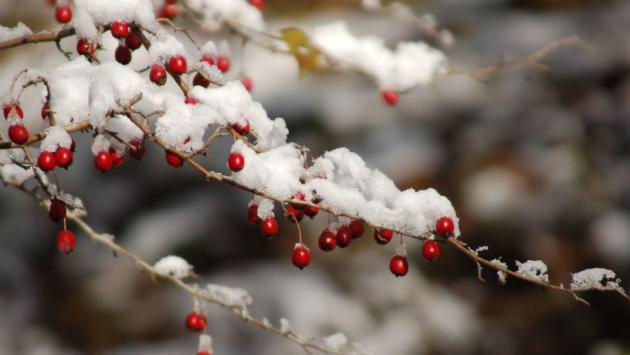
x: 308, y: 57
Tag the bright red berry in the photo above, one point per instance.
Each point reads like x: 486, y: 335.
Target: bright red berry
x: 173, y: 159
x: 12, y: 107
x: 223, y: 63
x: 431, y: 250
x: 301, y: 256
x: 103, y: 161
x: 66, y: 241
x: 63, y: 14
x: 204, y: 353
x: 236, y: 161
x: 344, y: 236
x: 252, y: 214
x: 196, y: 322
x: 356, y: 227
x: 200, y: 80
x: 242, y: 127
x: 18, y: 133
x: 390, y: 97
x: 57, y: 211
x: 137, y: 149
x: 158, y: 74
x: 311, y: 211
x: 46, y: 161
x: 257, y: 3
x: 120, y: 29
x: 63, y: 157
x: 327, y: 240
x: 177, y: 64
x: 248, y: 83
x: 444, y: 226
x: 269, y: 226
x: 123, y: 55
x: 85, y: 47
x: 398, y: 265
x: 207, y: 59
x: 383, y: 236
x: 133, y: 41
x: 117, y: 158
x: 45, y: 111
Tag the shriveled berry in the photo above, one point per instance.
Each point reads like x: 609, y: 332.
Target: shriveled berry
x: 103, y: 161
x: 223, y: 63
x: 12, y: 107
x: 390, y: 97
x: 120, y: 29
x: 196, y: 322
x: 236, y: 161
x: 269, y: 226
x: 158, y: 74
x: 252, y: 213
x: 398, y: 265
x: 173, y: 159
x: 431, y: 250
x: 311, y: 211
x: 66, y: 241
x: 137, y: 149
x: 383, y: 236
x: 57, y: 211
x: 242, y: 127
x: 200, y: 80
x: 63, y: 157
x: 444, y: 226
x: 327, y: 240
x: 356, y: 227
x: 133, y: 40
x: 177, y: 64
x: 123, y: 55
x: 63, y: 14
x: 46, y: 161
x: 45, y: 111
x: 344, y: 236
x: 85, y: 47
x: 117, y: 158
x: 18, y: 133
x: 294, y: 214
x: 301, y: 256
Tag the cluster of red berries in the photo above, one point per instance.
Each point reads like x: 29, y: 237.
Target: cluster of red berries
x: 62, y: 157
x: 66, y: 240
x: 268, y: 225
x: 105, y: 160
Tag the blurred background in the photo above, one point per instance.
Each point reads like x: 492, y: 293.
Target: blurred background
x: 537, y: 164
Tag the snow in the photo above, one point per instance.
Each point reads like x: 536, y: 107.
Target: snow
x: 500, y: 274
x: 285, y: 326
x: 595, y: 278
x: 56, y: 137
x: 173, y: 266
x: 409, y: 65
x: 236, y: 297
x: 217, y: 12
x: 164, y: 45
x: 535, y: 269
x: 89, y: 14
x: 7, y: 33
x: 205, y: 343
x: 336, y: 341
x: 15, y: 174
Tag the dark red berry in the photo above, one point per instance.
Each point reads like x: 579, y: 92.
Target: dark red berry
x: 66, y: 241
x: 242, y: 128
x: 173, y: 159
x: 301, y: 256
x: 431, y: 250
x: 444, y: 226
x: 196, y: 322
x: 177, y: 64
x: 189, y: 100
x: 45, y: 111
x: 236, y: 161
x: 294, y: 214
x: 200, y: 80
x: 356, y: 227
x: 117, y: 158
x: 123, y: 55
x: 399, y: 265
x: 269, y: 226
x: 158, y: 74
x: 18, y: 133
x: 63, y: 157
x: 103, y: 161
x: 390, y: 97
x: 311, y: 211
x: 257, y: 3
x: 120, y: 29
x: 344, y: 236
x: 63, y: 14
x: 137, y: 149
x: 12, y: 107
x: 252, y: 214
x: 327, y: 240
x: 223, y: 63
x: 46, y: 161
x: 383, y: 236
x: 85, y: 47
x: 248, y: 83
x: 57, y: 211
x: 133, y: 40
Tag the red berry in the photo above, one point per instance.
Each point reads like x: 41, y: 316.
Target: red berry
x: 356, y: 227
x: 327, y: 240
x: 269, y: 226
x: 294, y: 214
x: 18, y: 133
x: 248, y: 83
x: 120, y: 29
x: 204, y: 353
x: 173, y: 159
x: 63, y: 157
x: 85, y: 47
x: 158, y: 74
x: 242, y: 128
x: 311, y: 211
x: 177, y: 64
x: 444, y: 226
x: 236, y: 161
x: 257, y: 3
x: 189, y: 100
x: 117, y: 159
x: 137, y: 149
x: 103, y: 161
x: 209, y: 60
x: 383, y: 236
x: 223, y: 63
x: 344, y: 236
x: 12, y: 107
x: 46, y: 161
x: 431, y: 250
x: 133, y: 40
x: 45, y: 111
x: 196, y: 322
x: 168, y: 11
x: 252, y: 214
x: 123, y: 55
x: 57, y: 211
x: 200, y: 80
x: 301, y: 256
x: 390, y: 97
x: 399, y: 265
x: 63, y: 14
x: 66, y: 241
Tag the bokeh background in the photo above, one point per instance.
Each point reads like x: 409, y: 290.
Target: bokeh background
x: 536, y: 163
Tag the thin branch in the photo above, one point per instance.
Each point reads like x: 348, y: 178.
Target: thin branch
x: 44, y: 36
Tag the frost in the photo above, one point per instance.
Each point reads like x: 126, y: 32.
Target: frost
x: 173, y: 266
x: 237, y: 297
x: 20, y: 30
x: 336, y: 341
x: 500, y: 274
x: 595, y: 278
x: 535, y: 269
